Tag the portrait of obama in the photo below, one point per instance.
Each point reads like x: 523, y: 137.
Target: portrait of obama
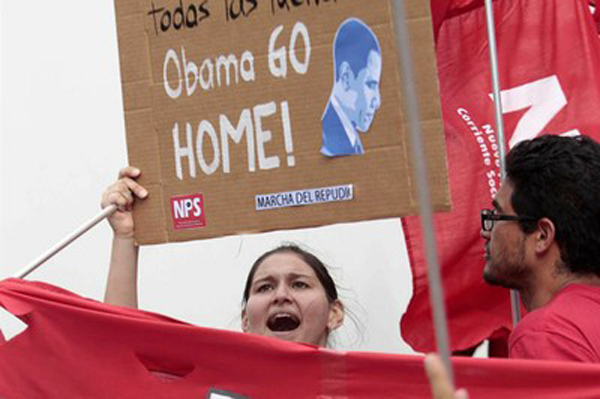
x: 355, y: 96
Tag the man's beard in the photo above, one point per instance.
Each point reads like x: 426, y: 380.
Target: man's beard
x: 509, y: 271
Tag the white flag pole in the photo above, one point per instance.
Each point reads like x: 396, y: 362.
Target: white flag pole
x: 106, y: 212
x: 491, y: 31
x: 433, y: 268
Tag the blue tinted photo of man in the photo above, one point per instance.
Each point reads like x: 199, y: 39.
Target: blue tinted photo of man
x: 355, y: 96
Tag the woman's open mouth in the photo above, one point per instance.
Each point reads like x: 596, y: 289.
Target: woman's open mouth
x: 281, y: 322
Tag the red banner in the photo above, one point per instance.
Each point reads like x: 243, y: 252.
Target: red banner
x: 79, y: 348
x: 549, y: 57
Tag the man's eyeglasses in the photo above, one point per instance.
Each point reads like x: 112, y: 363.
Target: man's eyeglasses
x: 489, y: 216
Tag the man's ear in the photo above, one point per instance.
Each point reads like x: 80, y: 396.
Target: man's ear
x: 346, y: 75
x: 545, y: 235
x: 245, y: 322
x: 336, y: 315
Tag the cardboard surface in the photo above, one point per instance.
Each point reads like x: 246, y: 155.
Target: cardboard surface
x: 230, y: 143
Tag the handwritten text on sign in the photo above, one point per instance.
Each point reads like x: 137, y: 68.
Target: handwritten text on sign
x: 207, y: 145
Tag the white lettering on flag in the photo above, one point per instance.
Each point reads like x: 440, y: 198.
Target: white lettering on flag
x: 309, y: 196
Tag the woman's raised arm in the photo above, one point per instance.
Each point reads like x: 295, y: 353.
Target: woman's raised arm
x: 121, y: 286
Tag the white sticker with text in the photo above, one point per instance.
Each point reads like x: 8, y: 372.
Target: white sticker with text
x: 310, y: 196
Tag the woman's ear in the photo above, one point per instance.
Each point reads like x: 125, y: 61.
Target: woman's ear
x: 336, y: 315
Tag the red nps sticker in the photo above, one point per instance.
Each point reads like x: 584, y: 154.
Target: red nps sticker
x: 188, y: 212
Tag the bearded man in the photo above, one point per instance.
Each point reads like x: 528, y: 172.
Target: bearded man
x: 543, y: 240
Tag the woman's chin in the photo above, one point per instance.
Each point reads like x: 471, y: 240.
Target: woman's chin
x: 291, y: 335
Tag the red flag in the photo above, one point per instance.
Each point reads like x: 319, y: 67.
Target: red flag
x: 79, y: 348
x: 549, y: 55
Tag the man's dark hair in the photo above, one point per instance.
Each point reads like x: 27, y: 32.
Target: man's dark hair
x: 353, y: 43
x: 559, y: 178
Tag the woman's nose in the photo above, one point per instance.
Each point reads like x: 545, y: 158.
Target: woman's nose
x: 282, y: 293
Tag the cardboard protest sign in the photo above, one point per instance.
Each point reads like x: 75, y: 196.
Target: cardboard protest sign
x: 249, y: 116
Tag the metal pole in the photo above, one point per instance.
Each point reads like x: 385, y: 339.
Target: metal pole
x: 109, y: 210
x: 489, y: 12
x: 412, y: 107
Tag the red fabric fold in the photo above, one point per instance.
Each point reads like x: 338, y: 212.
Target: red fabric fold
x: 79, y: 348
x: 547, y: 50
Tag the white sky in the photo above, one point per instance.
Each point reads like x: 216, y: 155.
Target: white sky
x: 63, y: 141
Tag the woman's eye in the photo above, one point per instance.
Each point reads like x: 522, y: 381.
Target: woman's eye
x: 264, y: 287
x: 300, y: 284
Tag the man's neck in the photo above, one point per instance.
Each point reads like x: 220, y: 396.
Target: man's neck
x: 542, y: 291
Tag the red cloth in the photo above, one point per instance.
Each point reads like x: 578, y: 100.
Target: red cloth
x: 549, y: 55
x: 79, y: 348
x: 442, y: 10
x: 567, y: 328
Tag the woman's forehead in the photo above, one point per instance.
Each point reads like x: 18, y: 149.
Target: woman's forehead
x: 283, y: 264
